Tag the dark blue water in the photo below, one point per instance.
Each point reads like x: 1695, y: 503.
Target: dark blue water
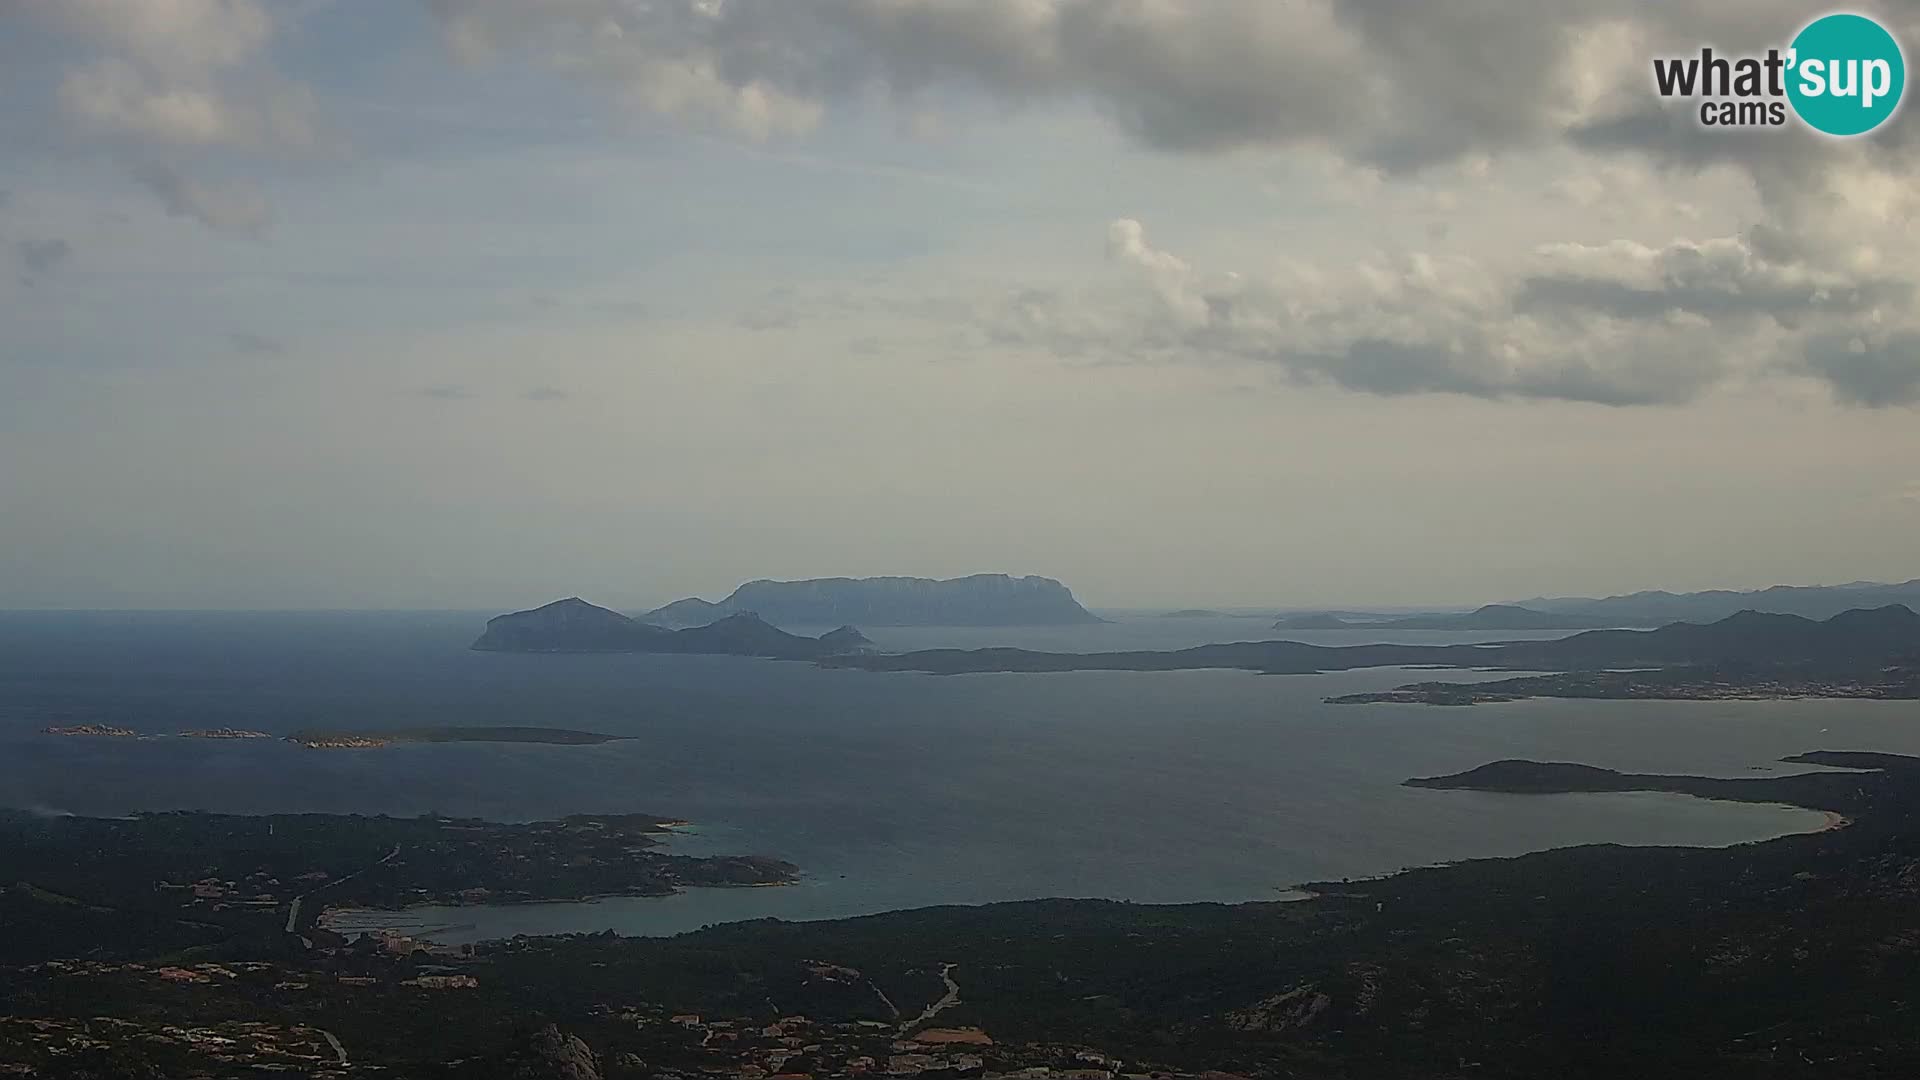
x: 890, y: 790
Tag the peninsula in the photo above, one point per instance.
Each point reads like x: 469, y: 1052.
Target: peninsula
x: 156, y: 883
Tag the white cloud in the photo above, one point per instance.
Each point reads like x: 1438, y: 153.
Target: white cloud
x: 182, y: 75
x: 1617, y: 324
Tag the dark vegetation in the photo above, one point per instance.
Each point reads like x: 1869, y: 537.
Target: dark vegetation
x: 1795, y: 957
x: 156, y: 884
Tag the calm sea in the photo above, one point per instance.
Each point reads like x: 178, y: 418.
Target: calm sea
x: 891, y: 791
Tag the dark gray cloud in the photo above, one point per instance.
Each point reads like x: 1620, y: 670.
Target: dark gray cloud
x: 40, y: 257
x: 1865, y: 370
x: 228, y: 208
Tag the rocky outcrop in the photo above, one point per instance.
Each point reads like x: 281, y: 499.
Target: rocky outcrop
x: 552, y: 1054
x: 1291, y: 1011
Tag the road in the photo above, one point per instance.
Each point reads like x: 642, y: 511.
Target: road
x: 338, y: 1049
x: 293, y: 909
x: 948, y: 1001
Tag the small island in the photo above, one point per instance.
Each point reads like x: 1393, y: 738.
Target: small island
x: 361, y: 740
x: 107, y: 731
x: 332, y: 739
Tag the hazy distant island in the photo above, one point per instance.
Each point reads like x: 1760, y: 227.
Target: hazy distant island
x: 1496, y: 617
x: 575, y: 626
x: 1863, y: 653
x: 1648, y: 609
x: 975, y: 600
x: 1658, y: 607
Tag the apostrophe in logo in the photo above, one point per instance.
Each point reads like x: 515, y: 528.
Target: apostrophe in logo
x: 1847, y: 74
x: 1842, y: 75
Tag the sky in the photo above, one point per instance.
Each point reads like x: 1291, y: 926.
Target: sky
x: 478, y: 303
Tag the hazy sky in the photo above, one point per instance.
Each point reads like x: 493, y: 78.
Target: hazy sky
x: 476, y: 303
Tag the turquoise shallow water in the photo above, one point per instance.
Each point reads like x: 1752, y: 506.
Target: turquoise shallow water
x: 889, y: 790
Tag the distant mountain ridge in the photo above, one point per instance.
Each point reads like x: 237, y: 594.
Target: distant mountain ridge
x: 975, y: 600
x: 1860, y: 640
x: 1489, y: 617
x: 575, y: 626
x: 1658, y: 607
x: 1652, y: 608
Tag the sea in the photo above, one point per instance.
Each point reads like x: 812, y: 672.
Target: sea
x: 889, y: 790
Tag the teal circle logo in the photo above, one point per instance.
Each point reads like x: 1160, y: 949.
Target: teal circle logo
x: 1847, y: 75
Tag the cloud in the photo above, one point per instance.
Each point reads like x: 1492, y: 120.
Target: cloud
x: 445, y: 392
x: 1617, y: 324
x: 227, y: 208
x: 1391, y: 83
x: 180, y: 75
x: 251, y: 344
x: 1868, y: 368
x: 769, y: 317
x: 1387, y: 87
x: 1719, y: 279
x: 111, y: 97
x: 545, y: 393
x: 41, y: 257
x: 179, y: 37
